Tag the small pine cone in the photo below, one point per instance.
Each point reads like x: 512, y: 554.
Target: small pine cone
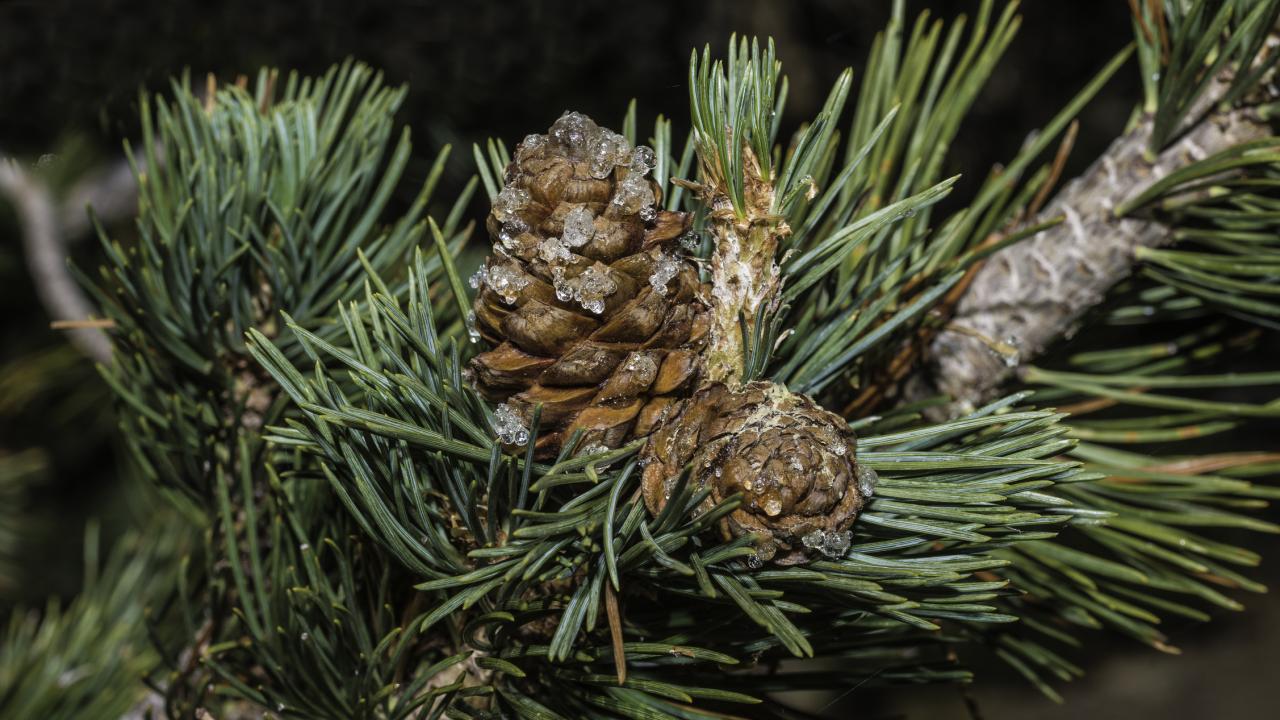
x: 593, y: 311
x: 793, y: 462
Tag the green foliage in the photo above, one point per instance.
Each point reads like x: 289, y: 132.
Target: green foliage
x: 1184, y: 49
x: 16, y: 471
x: 86, y: 660
x: 734, y: 111
x: 372, y: 552
x: 249, y: 203
x: 868, y: 260
x: 321, y: 635
x: 411, y: 455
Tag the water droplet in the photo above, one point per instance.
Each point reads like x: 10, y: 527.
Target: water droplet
x: 772, y: 507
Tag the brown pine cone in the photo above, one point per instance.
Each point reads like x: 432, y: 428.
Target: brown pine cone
x: 794, y: 463
x: 593, y: 309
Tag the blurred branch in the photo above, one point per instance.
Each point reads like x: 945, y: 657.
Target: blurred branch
x: 46, y: 226
x: 110, y: 190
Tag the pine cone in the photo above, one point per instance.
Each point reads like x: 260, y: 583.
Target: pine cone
x: 793, y: 462
x: 593, y: 310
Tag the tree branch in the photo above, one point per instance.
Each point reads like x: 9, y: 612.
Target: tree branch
x: 1030, y: 294
x: 46, y: 255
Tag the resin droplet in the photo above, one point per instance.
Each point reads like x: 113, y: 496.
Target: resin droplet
x: 564, y: 291
x: 633, y: 193
x: 507, y: 283
x: 594, y: 285
x: 642, y: 365
x: 530, y: 146
x: 590, y: 289
x: 643, y: 159
x: 508, y: 204
x: 609, y: 150
x: 579, y: 226
x: 836, y: 544
x: 473, y: 334
x: 664, y: 271
x: 831, y: 544
x: 553, y: 252
x: 574, y: 132
x: 593, y: 449
x: 508, y: 425
x: 510, y: 231
x: 691, y: 242
x: 867, y: 480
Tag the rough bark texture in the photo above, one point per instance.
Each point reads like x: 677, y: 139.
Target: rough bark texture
x: 1035, y: 292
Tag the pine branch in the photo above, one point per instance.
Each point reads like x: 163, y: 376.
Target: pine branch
x: 44, y: 243
x: 1037, y: 291
x: 84, y: 660
x: 382, y: 543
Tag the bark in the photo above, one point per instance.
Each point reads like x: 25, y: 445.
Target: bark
x: 744, y: 271
x: 1035, y: 292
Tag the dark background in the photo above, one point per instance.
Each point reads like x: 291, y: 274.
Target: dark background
x: 71, y: 71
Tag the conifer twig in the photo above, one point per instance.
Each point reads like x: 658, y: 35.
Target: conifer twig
x: 1035, y: 292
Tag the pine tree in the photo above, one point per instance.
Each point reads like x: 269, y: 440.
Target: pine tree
x: 708, y: 410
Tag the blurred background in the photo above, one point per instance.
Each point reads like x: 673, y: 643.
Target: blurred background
x: 70, y: 75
